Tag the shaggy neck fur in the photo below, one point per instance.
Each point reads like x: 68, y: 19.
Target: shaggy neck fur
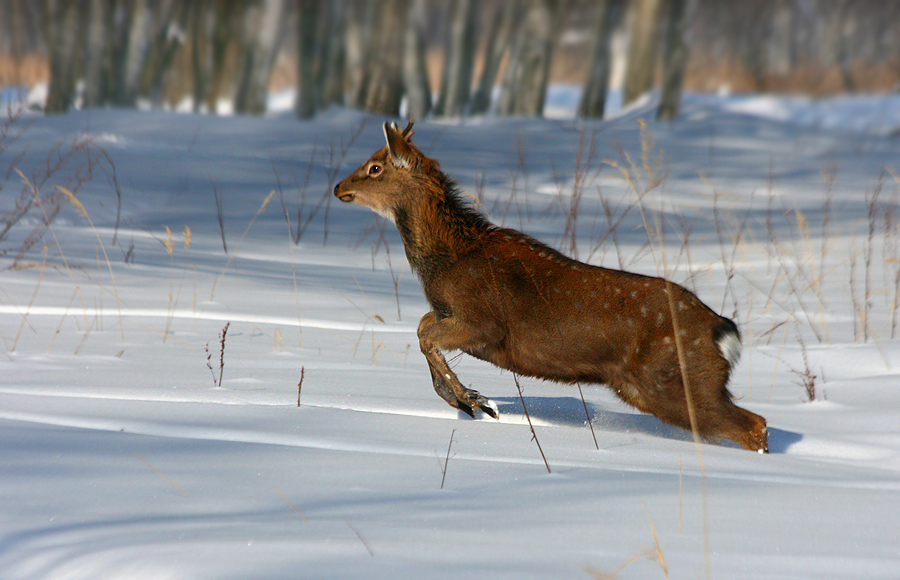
x: 438, y: 225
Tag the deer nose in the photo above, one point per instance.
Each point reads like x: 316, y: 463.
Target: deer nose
x: 336, y: 188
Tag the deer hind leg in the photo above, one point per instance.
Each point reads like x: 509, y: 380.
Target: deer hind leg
x: 716, y: 414
x: 747, y: 429
x: 448, y: 334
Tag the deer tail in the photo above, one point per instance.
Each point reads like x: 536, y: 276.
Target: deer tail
x: 728, y: 339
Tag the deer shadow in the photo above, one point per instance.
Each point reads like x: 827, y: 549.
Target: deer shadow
x: 570, y: 411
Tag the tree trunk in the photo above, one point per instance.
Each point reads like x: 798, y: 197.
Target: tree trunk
x: 307, y: 49
x: 415, y: 72
x: 262, y: 34
x: 596, y: 86
x: 848, y: 23
x: 459, y: 55
x: 359, y: 31
x: 201, y: 15
x: 61, y: 33
x: 641, y: 49
x: 170, y: 35
x: 500, y: 34
x: 331, y: 61
x: 385, y: 86
x: 129, y: 57
x: 675, y: 57
x: 525, y: 82
x: 226, y: 13
x: 95, y: 53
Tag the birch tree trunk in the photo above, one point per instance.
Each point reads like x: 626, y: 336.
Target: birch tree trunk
x: 129, y: 56
x: 525, y: 83
x: 201, y: 23
x: 459, y: 55
x: 62, y: 39
x: 415, y: 72
x: 596, y: 86
x: 332, y: 60
x: 95, y: 56
x: 385, y: 84
x: 641, y: 62
x: 170, y: 36
x: 500, y: 35
x: 307, y: 45
x: 262, y: 32
x: 226, y: 13
x: 358, y: 33
x: 675, y: 57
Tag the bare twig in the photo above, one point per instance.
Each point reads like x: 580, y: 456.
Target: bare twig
x: 361, y: 539
x: 534, y: 436
x: 220, y: 214
x: 300, y: 384
x: 588, y: 415
x: 217, y: 381
x: 164, y: 477
x: 447, y: 459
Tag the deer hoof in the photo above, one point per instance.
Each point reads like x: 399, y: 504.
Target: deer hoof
x: 474, y: 400
x: 490, y: 407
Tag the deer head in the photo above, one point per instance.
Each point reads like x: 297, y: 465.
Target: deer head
x: 388, y: 178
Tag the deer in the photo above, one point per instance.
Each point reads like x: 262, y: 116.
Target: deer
x: 504, y: 297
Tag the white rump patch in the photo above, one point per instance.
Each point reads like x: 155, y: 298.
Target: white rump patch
x: 730, y: 347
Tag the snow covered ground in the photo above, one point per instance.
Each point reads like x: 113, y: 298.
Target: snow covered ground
x: 122, y: 454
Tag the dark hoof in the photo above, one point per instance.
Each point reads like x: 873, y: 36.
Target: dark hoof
x: 483, y: 404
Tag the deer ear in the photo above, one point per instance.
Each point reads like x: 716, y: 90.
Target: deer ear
x: 399, y: 150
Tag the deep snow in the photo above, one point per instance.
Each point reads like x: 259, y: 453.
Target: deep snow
x: 122, y: 458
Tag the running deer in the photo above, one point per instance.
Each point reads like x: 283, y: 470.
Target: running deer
x: 503, y: 297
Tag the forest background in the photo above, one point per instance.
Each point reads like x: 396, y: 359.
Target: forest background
x: 439, y: 58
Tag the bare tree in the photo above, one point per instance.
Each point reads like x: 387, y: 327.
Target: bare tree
x: 358, y: 31
x: 95, y: 56
x: 415, y: 72
x: 307, y: 57
x: 262, y: 34
x: 675, y: 57
x: 525, y: 82
x: 61, y: 26
x: 332, y: 57
x: 500, y: 34
x: 128, y: 49
x: 593, y: 97
x: 459, y: 56
x: 641, y: 57
x: 384, y: 89
x: 171, y: 32
x: 226, y: 13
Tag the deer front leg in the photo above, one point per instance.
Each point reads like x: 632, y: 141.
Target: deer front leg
x: 445, y: 335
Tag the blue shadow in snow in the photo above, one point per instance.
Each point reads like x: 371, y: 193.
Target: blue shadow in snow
x: 570, y: 411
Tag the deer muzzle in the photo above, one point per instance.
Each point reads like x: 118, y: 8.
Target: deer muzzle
x: 345, y: 196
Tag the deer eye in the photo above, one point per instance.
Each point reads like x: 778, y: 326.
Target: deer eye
x: 375, y: 169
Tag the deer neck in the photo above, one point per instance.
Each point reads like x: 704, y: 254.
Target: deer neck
x: 436, y: 231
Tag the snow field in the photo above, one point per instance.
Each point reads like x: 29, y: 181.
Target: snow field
x: 123, y: 459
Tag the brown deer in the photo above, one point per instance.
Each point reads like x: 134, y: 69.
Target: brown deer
x: 503, y: 297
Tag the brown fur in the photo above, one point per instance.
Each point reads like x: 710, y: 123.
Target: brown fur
x: 508, y: 299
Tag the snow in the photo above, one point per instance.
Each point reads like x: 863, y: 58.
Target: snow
x: 122, y: 456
